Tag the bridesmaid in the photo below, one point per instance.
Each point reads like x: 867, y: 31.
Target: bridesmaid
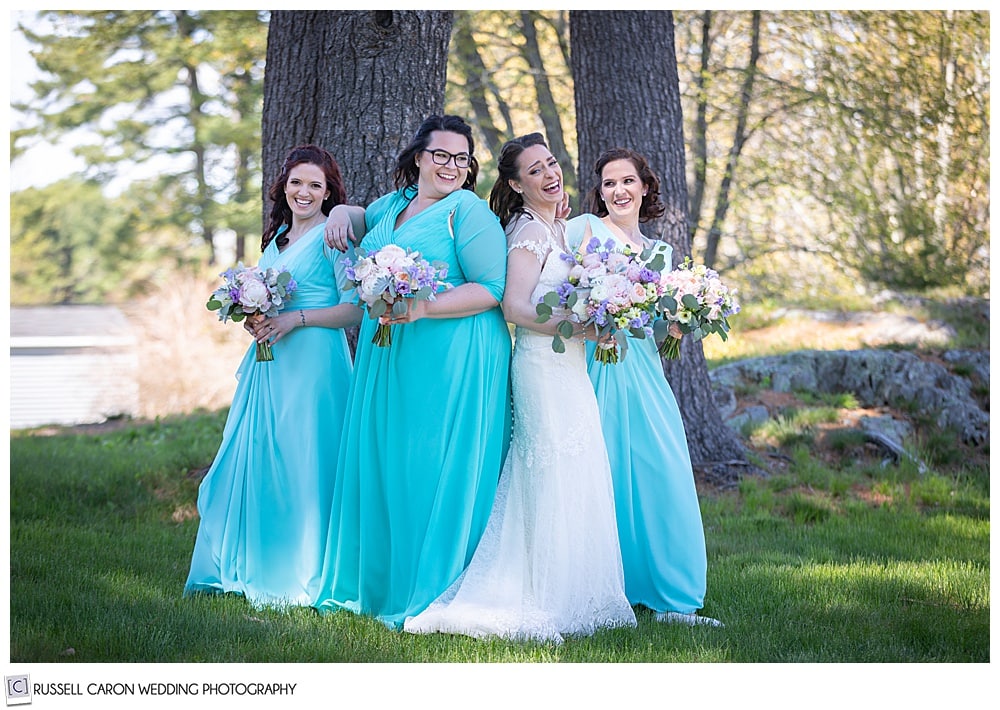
x: 265, y: 502
x: 430, y: 417
x: 659, y: 519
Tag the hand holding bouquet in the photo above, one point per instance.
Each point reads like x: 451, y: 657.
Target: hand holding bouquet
x: 251, y: 291
x: 696, y: 303
x: 385, y: 278
x: 614, y: 292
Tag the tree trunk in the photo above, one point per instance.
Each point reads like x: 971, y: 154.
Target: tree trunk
x: 357, y: 83
x: 644, y: 114
x: 476, y: 80
x: 739, y: 138
x: 700, y: 139
x: 547, y: 110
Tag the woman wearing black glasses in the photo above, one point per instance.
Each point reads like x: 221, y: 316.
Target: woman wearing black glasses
x: 429, y: 418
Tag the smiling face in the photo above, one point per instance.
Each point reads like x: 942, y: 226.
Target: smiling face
x: 540, y: 179
x: 622, y: 189
x: 305, y: 190
x: 435, y: 180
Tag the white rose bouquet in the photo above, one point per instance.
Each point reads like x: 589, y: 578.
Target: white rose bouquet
x: 386, y: 277
x: 250, y: 291
x: 696, y: 302
x: 616, y: 292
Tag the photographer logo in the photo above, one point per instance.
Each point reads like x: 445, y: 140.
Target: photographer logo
x: 18, y: 689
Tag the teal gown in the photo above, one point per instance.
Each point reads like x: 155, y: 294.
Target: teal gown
x: 428, y: 426
x: 265, y: 502
x: 659, y: 519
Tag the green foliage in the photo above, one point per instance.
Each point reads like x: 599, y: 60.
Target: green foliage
x: 181, y: 87
x: 867, y: 159
x: 72, y: 244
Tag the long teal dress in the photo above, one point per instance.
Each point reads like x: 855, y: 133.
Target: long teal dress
x: 428, y: 426
x: 265, y: 501
x: 659, y: 519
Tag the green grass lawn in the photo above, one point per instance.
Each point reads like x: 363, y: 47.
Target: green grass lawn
x: 863, y: 565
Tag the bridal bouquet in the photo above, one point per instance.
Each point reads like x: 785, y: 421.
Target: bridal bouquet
x: 612, y: 291
x: 385, y: 278
x: 697, y: 303
x: 250, y: 291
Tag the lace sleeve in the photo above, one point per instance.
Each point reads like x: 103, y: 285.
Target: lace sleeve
x: 531, y: 236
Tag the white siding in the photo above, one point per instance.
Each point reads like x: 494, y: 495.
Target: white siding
x: 71, y: 387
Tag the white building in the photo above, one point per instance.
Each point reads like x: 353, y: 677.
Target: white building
x: 71, y: 365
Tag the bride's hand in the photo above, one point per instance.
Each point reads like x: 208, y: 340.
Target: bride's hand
x: 563, y: 208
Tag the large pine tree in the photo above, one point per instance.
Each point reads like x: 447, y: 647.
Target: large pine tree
x: 356, y: 83
x: 628, y: 95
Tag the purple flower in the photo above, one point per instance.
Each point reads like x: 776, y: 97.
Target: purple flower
x: 649, y: 276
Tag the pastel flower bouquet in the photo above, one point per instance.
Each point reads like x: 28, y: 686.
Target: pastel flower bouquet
x: 614, y: 292
x: 387, y: 277
x: 249, y: 291
x: 697, y: 302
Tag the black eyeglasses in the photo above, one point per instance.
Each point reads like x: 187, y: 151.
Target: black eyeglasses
x: 441, y: 157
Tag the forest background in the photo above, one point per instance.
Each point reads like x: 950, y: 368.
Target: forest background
x: 833, y: 157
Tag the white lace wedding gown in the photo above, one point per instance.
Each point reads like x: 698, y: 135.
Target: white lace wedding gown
x: 548, y: 564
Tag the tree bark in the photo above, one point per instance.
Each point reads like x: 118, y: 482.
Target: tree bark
x: 358, y: 83
x: 644, y: 114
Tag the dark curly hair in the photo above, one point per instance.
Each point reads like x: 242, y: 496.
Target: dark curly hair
x: 504, y: 201
x: 281, y: 213
x: 406, y: 172
x: 651, y: 206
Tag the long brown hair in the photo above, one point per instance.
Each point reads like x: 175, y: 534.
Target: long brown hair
x: 504, y: 200
x: 406, y: 172
x: 281, y: 213
x: 651, y: 206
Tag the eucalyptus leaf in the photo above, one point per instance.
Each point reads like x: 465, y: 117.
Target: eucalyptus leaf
x: 558, y: 345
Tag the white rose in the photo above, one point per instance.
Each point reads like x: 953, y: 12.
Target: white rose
x: 392, y: 257
x: 599, y: 291
x: 362, y: 269
x: 374, y: 283
x: 254, y: 296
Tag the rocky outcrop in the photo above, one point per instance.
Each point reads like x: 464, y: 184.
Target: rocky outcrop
x: 878, y: 378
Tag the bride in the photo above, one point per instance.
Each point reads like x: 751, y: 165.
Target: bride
x: 549, y: 564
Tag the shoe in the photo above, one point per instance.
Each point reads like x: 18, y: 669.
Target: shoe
x: 673, y: 617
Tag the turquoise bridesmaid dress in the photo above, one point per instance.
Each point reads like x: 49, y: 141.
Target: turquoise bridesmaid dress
x: 265, y: 502
x: 659, y: 519
x: 428, y: 426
